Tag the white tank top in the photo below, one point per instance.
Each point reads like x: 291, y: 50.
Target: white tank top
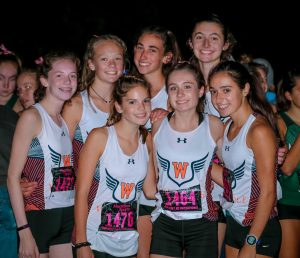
x: 183, y: 160
x: 91, y: 118
x: 245, y: 187
x: 111, y: 223
x: 158, y: 101
x: 50, y: 163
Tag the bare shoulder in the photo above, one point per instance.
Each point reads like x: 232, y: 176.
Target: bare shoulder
x: 74, y: 104
x: 156, y: 125
x: 30, y: 116
x: 260, y: 132
x: 97, y: 137
x: 260, y: 125
x: 29, y: 123
x: 216, y: 127
x: 214, y: 120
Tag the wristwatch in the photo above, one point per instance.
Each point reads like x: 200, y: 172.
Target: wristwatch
x: 251, y: 240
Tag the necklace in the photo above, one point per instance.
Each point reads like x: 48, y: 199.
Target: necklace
x: 106, y: 101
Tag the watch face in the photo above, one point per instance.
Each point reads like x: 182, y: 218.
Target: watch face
x: 251, y: 240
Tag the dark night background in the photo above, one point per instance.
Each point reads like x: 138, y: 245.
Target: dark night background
x: 30, y: 29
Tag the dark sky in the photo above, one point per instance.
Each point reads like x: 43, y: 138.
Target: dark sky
x: 272, y: 34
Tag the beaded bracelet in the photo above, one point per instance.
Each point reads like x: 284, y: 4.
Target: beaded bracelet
x: 22, y: 227
x: 82, y: 244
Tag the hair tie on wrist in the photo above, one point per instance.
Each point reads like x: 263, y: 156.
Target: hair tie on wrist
x: 82, y: 244
x: 22, y: 227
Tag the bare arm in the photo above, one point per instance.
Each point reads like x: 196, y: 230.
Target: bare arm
x: 292, y: 159
x: 29, y: 125
x: 265, y: 157
x: 89, y: 156
x: 149, y: 186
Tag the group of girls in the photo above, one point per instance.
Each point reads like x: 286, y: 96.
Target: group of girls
x: 120, y: 160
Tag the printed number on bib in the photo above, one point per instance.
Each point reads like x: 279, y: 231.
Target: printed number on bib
x: 63, y: 179
x: 118, y: 216
x: 182, y: 199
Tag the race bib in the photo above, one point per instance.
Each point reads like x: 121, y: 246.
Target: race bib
x: 182, y: 199
x: 63, y: 179
x: 227, y: 181
x: 118, y: 216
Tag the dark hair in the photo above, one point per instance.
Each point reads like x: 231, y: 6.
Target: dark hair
x: 124, y: 85
x: 47, y: 65
x: 187, y: 66
x: 12, y: 58
x: 240, y: 75
x: 228, y: 36
x: 170, y: 44
x: 257, y: 78
x: 287, y: 83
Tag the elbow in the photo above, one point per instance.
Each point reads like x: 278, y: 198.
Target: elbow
x: 287, y: 170
x: 150, y: 194
x: 269, y: 194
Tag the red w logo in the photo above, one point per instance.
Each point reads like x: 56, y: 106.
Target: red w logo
x: 180, y: 168
x: 126, y: 189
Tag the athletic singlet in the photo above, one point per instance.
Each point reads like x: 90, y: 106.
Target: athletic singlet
x: 91, y: 118
x: 183, y: 161
x: 50, y: 164
x: 290, y: 184
x: 158, y: 101
x: 111, y: 223
x: 239, y: 159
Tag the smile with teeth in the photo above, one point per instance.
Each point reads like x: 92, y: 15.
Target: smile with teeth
x: 205, y: 52
x: 181, y: 101
x: 141, y: 115
x: 66, y: 90
x: 143, y: 64
x: 222, y: 107
x: 112, y: 73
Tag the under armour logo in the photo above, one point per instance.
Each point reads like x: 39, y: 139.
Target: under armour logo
x: 181, y: 140
x: 130, y: 161
x: 226, y: 148
x: 63, y: 134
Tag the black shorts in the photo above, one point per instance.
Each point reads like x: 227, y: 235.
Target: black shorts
x: 51, y: 227
x: 270, y: 239
x: 145, y: 210
x: 221, y: 215
x: 288, y: 211
x: 198, y: 237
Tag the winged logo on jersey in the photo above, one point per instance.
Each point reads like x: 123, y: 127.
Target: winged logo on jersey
x: 238, y: 174
x: 123, y: 191
x: 57, y: 158
x: 180, y: 169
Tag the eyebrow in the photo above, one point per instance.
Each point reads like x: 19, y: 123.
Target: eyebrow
x: 212, y: 34
x: 151, y: 46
